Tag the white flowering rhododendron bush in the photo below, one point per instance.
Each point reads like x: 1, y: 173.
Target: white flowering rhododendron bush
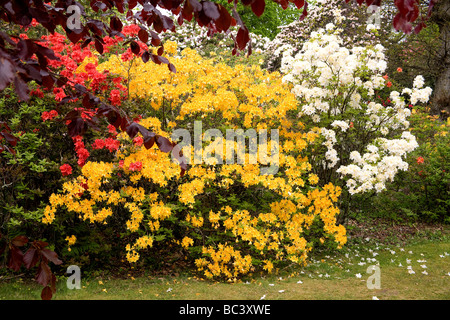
x: 365, y: 139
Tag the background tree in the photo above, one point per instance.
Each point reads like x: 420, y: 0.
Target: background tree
x: 441, y: 17
x: 267, y: 25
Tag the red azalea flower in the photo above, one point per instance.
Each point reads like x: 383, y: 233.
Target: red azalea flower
x: 138, y: 141
x: 81, y: 151
x: 115, y: 97
x: 59, y: 94
x: 49, y: 115
x: 389, y: 84
x: 135, y: 166
x: 66, y: 169
x: 112, y: 130
x: 420, y: 160
x: 112, y: 144
x: 37, y: 92
x: 399, y: 69
x: 98, y: 144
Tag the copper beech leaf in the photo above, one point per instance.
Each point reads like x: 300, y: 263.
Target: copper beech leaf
x: 19, y: 241
x: 46, y: 293
x: 44, y: 274
x: 31, y: 258
x: 258, y: 7
x: 51, y: 255
x: 15, y: 258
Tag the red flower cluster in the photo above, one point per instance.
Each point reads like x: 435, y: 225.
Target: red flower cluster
x: 49, y: 115
x: 98, y: 144
x: 37, y: 92
x: 66, y: 169
x: 108, y: 143
x: 138, y: 141
x: 59, y: 94
x: 420, y: 160
x: 71, y: 56
x: 82, y: 152
x: 136, y: 166
x: 115, y: 97
x: 112, y: 130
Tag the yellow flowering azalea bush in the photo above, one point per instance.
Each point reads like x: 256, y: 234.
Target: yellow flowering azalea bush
x: 226, y: 218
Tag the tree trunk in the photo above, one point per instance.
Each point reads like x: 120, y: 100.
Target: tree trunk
x: 441, y: 96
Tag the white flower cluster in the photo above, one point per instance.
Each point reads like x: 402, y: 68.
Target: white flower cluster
x: 348, y: 16
x: 378, y: 165
x: 335, y: 87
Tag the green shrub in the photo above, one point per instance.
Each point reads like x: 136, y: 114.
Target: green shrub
x: 423, y: 192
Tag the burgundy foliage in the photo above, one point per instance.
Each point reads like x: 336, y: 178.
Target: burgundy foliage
x: 36, y: 255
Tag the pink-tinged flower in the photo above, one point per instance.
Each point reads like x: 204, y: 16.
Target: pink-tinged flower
x: 420, y: 160
x: 66, y: 170
x: 135, y: 166
x: 138, y: 141
x: 121, y: 163
x: 399, y: 69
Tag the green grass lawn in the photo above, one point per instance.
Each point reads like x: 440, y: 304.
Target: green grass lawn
x: 340, y: 275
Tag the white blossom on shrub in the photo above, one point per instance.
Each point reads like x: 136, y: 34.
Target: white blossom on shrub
x: 366, y: 142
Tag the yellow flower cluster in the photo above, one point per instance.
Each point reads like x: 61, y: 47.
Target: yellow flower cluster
x: 224, y: 261
x: 226, y: 97
x: 71, y: 241
x: 203, y: 87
